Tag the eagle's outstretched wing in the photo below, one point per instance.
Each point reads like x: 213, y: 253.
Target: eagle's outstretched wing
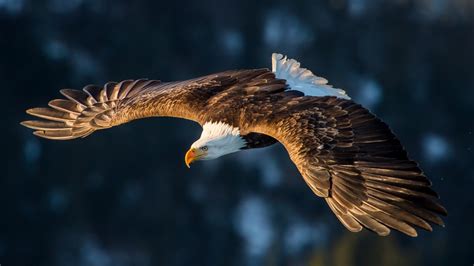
x: 353, y: 160
x: 94, y: 108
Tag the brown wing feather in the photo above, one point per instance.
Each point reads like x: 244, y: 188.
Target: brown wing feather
x: 352, y: 159
x: 94, y: 108
x: 83, y: 112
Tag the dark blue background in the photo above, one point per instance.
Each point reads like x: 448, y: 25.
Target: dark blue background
x: 124, y: 196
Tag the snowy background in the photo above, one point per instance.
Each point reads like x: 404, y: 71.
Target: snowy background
x: 125, y: 197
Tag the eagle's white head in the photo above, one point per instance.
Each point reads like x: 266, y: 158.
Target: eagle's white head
x: 217, y: 139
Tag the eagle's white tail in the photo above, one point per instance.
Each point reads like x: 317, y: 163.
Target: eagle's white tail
x: 302, y: 79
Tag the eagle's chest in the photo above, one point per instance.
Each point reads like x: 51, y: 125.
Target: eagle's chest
x: 256, y: 140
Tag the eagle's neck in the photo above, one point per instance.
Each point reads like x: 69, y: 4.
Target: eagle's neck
x: 221, y: 138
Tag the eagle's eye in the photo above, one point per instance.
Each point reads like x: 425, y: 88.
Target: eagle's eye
x: 204, y: 148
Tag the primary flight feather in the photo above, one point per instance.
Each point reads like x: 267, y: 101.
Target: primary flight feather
x: 345, y: 154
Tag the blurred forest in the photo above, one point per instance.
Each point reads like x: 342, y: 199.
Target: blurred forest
x: 125, y: 197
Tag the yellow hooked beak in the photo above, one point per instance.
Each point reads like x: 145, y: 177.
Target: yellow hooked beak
x: 193, y: 155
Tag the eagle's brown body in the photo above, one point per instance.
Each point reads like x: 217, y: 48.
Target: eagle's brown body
x: 345, y: 154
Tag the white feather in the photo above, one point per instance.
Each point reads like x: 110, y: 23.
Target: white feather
x: 212, y: 130
x: 220, y: 138
x: 302, y: 79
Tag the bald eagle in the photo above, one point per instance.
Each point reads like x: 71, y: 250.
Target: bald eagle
x: 345, y: 154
